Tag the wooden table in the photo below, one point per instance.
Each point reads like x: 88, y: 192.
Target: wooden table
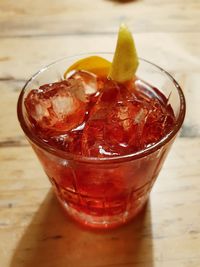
x: 33, y: 229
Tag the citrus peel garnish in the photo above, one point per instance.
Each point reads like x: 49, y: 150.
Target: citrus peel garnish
x: 94, y: 64
x: 125, y: 61
x: 123, y: 66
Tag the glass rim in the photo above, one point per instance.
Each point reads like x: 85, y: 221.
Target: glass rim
x: 115, y: 159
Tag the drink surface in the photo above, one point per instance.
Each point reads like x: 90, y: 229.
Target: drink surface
x: 96, y: 117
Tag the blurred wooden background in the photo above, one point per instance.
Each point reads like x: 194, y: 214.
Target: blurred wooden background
x: 33, y: 228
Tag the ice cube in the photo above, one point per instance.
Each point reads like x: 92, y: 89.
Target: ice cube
x: 63, y: 105
x: 55, y: 106
x: 69, y: 142
x: 87, y: 81
x: 157, y: 122
x: 126, y: 122
x: 115, y: 124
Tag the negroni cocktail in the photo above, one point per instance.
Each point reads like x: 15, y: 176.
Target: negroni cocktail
x: 102, y: 131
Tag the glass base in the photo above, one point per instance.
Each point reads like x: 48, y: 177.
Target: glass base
x: 102, y: 222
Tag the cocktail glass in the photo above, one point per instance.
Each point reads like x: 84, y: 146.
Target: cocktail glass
x: 103, y: 192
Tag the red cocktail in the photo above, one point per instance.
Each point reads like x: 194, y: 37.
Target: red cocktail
x: 102, y: 144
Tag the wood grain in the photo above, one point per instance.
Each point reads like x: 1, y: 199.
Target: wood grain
x: 21, y: 57
x: 33, y: 18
